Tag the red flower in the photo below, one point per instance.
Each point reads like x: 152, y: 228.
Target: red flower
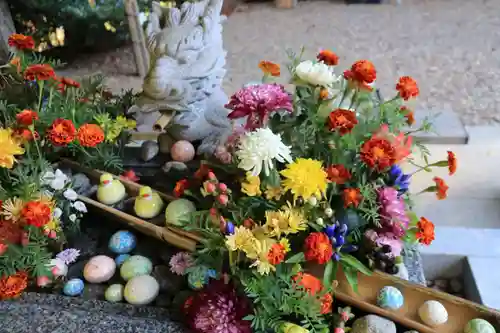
x: 328, y: 57
x: 407, y: 87
x: 202, y: 172
x: 25, y: 134
x: 13, y: 285
x: 39, y: 72
x: 3, y: 249
x: 21, y: 42
x: 180, y: 187
x: 409, y: 115
x: 378, y: 154
x: 351, y: 197
x: 362, y: 74
x: 452, y: 163
x: 276, y: 254
x: 326, y: 304
x: 26, y: 117
x: 317, y: 247
x: 61, y: 132
x: 441, y: 188
x: 66, y: 82
x: 400, y: 142
x: 425, y: 234
x: 338, y: 174
x: 269, y: 68
x: 311, y: 284
x: 90, y: 135
x: 130, y: 175
x: 342, y: 121
x: 36, y: 213
x: 10, y: 233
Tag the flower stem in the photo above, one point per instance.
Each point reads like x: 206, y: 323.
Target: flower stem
x: 41, y: 83
x: 51, y: 93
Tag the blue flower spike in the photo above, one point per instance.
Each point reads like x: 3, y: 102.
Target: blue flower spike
x: 343, y: 230
x: 335, y: 256
x: 399, y: 179
x: 340, y: 240
x: 330, y: 230
x: 230, y: 228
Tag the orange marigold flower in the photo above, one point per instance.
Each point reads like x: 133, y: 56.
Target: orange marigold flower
x: 270, y: 68
x: 400, y: 142
x: 378, y: 154
x: 317, y: 247
x: 66, y: 82
x: 276, y: 254
x: 180, y: 187
x: 24, y: 134
x: 10, y: 233
x: 425, y: 234
x: 39, y: 72
x: 90, y: 135
x: 342, y: 120
x: 452, y: 163
x: 328, y: 57
x: 338, y: 174
x: 27, y: 117
x: 21, y: 42
x: 409, y: 115
x: 311, y: 284
x: 323, y: 94
x: 362, y: 71
x: 326, y: 303
x: 441, y: 188
x: 16, y: 62
x: 36, y: 213
x: 407, y: 87
x: 61, y: 132
x: 13, y: 285
x: 351, y: 197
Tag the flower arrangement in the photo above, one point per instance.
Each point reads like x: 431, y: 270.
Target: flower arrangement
x: 310, y: 181
x: 44, y: 117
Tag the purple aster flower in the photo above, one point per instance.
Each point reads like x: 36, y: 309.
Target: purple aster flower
x: 398, y: 179
x: 180, y: 262
x: 257, y: 102
x: 68, y: 256
x: 392, y: 212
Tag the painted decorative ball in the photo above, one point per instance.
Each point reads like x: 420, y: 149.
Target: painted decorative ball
x: 73, y: 287
x: 141, y: 290
x: 58, y: 267
x: 121, y: 258
x: 390, y: 298
x: 433, y: 313
x: 136, y: 266
x: 479, y: 326
x: 182, y: 151
x: 114, y: 293
x: 122, y: 241
x: 178, y: 210
x: 99, y: 269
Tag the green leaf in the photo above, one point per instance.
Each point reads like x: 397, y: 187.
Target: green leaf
x: 351, y: 261
x: 273, y: 179
x: 327, y: 275
x: 352, y: 277
x: 430, y: 189
x: 440, y: 164
x: 296, y: 258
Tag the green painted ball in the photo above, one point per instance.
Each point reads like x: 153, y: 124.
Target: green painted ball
x: 479, y: 326
x: 179, y: 210
x: 114, y: 293
x: 135, y: 266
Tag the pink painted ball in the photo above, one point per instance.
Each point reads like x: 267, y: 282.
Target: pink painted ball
x: 99, y: 269
x: 182, y: 151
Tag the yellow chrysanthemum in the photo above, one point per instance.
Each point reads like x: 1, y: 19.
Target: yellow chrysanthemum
x: 9, y: 147
x: 53, y: 224
x: 305, y: 178
x: 260, y: 250
x: 285, y: 221
x: 242, y: 240
x: 251, y: 186
x: 273, y: 193
x: 12, y: 208
x: 286, y: 244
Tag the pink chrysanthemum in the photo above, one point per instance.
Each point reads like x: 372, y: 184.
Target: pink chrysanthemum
x: 392, y: 212
x: 180, y: 262
x: 218, y: 309
x: 257, y: 102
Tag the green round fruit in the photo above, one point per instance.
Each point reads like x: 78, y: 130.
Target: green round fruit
x: 178, y: 211
x: 479, y: 326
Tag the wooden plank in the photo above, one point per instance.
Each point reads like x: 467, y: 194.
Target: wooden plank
x: 285, y: 4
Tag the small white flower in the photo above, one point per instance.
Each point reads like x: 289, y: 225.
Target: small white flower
x: 320, y: 221
x: 316, y: 73
x: 80, y: 206
x: 261, y: 147
x: 70, y: 194
x: 72, y: 217
x: 57, y: 213
x: 55, y: 180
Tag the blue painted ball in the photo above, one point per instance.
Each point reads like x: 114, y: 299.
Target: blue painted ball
x: 120, y: 259
x: 73, y: 287
x: 390, y: 298
x: 122, y: 242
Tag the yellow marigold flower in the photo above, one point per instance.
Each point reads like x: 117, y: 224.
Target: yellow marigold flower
x: 8, y: 148
x: 261, y: 249
x: 251, y: 186
x: 12, y: 208
x: 305, y: 178
x: 273, y: 193
x: 287, y: 221
x: 242, y: 239
x: 286, y: 244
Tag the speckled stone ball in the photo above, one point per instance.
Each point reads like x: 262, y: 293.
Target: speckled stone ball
x: 390, y: 298
x: 122, y: 241
x: 479, y: 326
x: 114, y: 293
x: 182, y: 151
x: 433, y: 313
x: 141, y: 290
x: 73, y: 287
x: 136, y: 266
x: 99, y: 269
x: 121, y: 258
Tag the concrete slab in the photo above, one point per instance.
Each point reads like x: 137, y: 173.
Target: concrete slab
x: 486, y: 275
x: 447, y: 127
x: 483, y: 135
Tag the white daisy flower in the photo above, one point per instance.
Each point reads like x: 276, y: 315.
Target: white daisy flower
x: 57, y: 213
x: 259, y: 148
x: 72, y: 217
x: 80, y: 206
x: 55, y: 180
x: 70, y: 194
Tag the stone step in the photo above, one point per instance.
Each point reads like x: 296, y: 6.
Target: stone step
x: 447, y: 128
x: 484, y: 275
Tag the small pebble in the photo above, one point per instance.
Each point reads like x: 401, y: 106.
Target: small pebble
x: 433, y: 313
x: 173, y: 165
x: 149, y: 149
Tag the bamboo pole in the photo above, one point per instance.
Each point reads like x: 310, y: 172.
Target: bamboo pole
x: 163, y: 121
x: 138, y: 39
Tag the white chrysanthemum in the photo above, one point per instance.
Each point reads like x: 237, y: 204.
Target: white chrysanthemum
x: 259, y: 148
x: 70, y: 194
x: 316, y: 73
x: 80, y: 206
x: 56, y: 180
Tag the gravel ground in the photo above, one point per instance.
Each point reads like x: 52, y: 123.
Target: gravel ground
x: 452, y: 47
